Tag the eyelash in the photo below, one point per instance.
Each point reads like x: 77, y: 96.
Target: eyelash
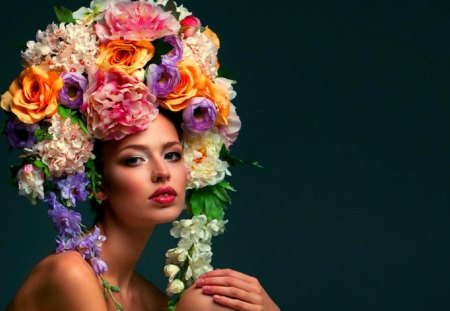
x: 173, y: 156
x: 173, y: 153
x: 133, y: 161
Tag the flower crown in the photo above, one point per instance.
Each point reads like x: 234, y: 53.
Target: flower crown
x: 104, y: 72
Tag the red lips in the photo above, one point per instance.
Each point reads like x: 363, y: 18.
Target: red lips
x: 164, y: 195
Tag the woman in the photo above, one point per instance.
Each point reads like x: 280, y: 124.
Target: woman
x: 113, y: 73
x: 145, y: 180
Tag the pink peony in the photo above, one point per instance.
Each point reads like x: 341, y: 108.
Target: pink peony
x: 116, y: 105
x: 135, y: 20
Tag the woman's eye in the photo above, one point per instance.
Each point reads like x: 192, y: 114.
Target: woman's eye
x: 133, y: 161
x: 172, y: 156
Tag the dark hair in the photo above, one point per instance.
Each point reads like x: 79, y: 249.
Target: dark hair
x: 174, y: 117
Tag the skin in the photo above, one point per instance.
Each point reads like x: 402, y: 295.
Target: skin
x: 133, y: 169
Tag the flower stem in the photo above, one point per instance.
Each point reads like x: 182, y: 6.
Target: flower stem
x: 109, y: 290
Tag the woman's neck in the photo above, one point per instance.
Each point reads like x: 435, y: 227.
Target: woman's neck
x: 121, y: 250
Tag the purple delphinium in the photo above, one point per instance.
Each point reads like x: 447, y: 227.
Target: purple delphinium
x: 73, y: 187
x: 67, y: 222
x: 63, y: 243
x: 162, y: 79
x: 98, y: 265
x: 89, y: 247
x: 71, y: 95
x: 176, y: 53
x: 19, y: 134
x: 200, y: 115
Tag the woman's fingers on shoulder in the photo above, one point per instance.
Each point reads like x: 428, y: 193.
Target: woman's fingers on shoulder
x: 230, y: 273
x: 235, y: 290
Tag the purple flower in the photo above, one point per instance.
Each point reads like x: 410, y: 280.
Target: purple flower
x: 74, y: 187
x: 200, y: 115
x: 176, y: 53
x: 71, y: 95
x: 162, y: 79
x: 64, y: 244
x: 20, y: 135
x: 65, y: 220
x: 98, y: 265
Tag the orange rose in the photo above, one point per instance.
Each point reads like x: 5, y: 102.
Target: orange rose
x: 191, y: 81
x: 219, y: 96
x: 33, y: 95
x: 128, y: 56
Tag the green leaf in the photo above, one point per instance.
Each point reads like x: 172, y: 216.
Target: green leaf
x: 232, y: 160
x: 171, y: 7
x: 225, y: 184
x: 196, y: 202
x: 64, y: 15
x: 39, y: 164
x: 39, y: 133
x: 221, y: 193
x: 214, y: 208
x: 115, y: 288
x: 83, y: 126
x: 64, y: 111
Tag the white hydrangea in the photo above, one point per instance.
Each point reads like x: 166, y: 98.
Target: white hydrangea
x: 64, y: 48
x: 201, y: 154
x: 31, y: 182
x: 201, y: 49
x: 68, y: 150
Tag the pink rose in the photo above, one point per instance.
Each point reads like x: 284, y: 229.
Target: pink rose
x: 135, y: 20
x: 190, y: 25
x: 116, y: 105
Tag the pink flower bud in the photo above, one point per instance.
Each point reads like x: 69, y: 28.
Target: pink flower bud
x: 189, y: 25
x: 191, y: 21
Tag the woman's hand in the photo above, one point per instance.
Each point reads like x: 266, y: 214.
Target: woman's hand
x: 236, y: 290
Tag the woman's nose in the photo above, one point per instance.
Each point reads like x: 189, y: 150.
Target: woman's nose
x: 160, y: 172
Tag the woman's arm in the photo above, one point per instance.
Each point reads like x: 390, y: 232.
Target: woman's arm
x: 236, y: 291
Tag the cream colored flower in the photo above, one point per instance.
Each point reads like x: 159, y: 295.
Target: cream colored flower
x: 171, y: 271
x: 175, y: 287
x: 31, y: 182
x: 201, y: 154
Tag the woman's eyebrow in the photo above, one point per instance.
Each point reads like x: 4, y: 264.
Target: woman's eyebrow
x: 145, y: 148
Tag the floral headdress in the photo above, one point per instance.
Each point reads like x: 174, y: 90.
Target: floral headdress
x: 101, y: 73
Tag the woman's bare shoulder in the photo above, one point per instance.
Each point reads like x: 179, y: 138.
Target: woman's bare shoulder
x: 193, y: 300
x: 60, y: 281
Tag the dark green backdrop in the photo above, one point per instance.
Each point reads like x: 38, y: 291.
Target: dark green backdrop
x: 346, y: 104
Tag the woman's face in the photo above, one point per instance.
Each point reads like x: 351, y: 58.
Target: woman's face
x: 144, y: 176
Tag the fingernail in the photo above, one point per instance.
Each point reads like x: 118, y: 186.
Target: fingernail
x: 200, y: 282
x: 206, y: 289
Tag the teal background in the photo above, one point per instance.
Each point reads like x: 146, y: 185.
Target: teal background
x: 346, y: 104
